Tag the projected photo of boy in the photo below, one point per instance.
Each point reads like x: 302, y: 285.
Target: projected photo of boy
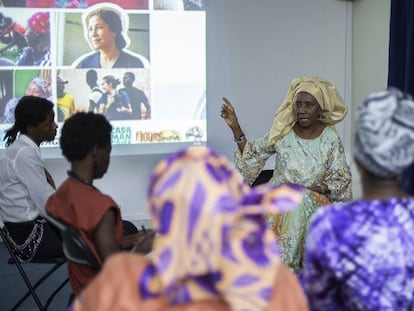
x: 140, y: 107
x: 37, y: 52
x: 25, y: 39
x: 177, y: 5
x: 74, y: 4
x: 105, y: 29
x: 26, y: 82
x: 11, y: 37
x: 119, y: 94
x: 95, y: 91
x: 65, y: 101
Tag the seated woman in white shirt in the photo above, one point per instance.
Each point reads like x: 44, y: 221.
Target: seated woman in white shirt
x: 25, y: 184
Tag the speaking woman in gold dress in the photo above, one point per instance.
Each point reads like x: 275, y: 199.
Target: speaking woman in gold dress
x: 308, y: 152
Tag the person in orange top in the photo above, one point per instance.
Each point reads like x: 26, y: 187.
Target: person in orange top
x: 86, y: 143
x: 213, y: 249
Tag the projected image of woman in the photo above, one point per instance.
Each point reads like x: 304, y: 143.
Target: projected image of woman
x: 113, y: 104
x: 105, y: 29
x: 38, y: 86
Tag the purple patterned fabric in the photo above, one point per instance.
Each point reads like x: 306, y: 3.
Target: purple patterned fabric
x: 213, y: 239
x: 360, y: 256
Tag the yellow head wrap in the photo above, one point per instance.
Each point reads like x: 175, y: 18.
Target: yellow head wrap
x: 325, y: 93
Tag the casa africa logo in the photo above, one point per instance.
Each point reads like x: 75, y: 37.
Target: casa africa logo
x: 121, y: 135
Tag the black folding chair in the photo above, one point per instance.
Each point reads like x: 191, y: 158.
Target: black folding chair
x: 74, y: 246
x: 263, y: 177
x: 57, y: 262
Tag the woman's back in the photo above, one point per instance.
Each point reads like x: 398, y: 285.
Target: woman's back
x: 359, y: 256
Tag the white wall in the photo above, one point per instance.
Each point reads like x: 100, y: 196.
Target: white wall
x: 254, y: 49
x: 370, y: 39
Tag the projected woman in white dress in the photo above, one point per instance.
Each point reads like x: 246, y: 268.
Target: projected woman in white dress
x: 104, y: 30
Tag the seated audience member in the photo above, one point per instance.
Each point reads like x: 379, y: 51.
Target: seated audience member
x: 86, y: 143
x: 25, y: 184
x: 359, y: 255
x: 213, y: 249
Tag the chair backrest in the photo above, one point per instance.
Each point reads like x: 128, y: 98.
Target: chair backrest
x: 74, y: 246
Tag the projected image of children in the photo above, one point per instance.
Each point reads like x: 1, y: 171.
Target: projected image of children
x: 105, y: 29
x: 74, y: 4
x: 12, y: 40
x: 25, y: 39
x: 37, y: 35
x: 177, y: 5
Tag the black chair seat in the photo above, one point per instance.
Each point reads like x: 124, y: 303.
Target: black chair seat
x: 10, y: 261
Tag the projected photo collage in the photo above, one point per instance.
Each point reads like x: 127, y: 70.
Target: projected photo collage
x: 140, y: 63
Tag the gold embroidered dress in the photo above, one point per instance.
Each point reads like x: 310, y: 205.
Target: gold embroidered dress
x: 306, y: 162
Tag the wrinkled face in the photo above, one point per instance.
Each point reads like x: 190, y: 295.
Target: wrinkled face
x: 306, y: 109
x: 46, y: 130
x: 102, y: 159
x: 34, y: 90
x: 99, y: 33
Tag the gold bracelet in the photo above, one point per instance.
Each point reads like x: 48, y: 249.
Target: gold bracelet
x: 241, y: 139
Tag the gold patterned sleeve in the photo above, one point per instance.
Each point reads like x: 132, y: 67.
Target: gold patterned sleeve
x: 338, y: 176
x: 255, y: 154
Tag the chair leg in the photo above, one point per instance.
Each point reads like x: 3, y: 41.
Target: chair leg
x: 34, y: 286
x: 26, y: 280
x: 31, y: 288
x: 57, y: 290
x: 31, y: 291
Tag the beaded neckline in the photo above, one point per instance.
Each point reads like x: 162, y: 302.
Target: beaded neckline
x: 80, y: 179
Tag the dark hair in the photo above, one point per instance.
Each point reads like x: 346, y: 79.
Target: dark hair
x: 91, y: 77
x: 113, y: 20
x: 30, y: 111
x: 112, y: 81
x: 83, y: 131
x: 130, y: 73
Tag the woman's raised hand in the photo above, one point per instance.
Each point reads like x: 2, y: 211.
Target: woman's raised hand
x: 229, y: 114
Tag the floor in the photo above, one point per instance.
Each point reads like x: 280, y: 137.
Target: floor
x: 12, y: 285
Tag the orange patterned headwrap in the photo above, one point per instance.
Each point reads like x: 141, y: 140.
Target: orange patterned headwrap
x: 213, y: 240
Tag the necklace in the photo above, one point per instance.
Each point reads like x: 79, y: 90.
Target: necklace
x: 80, y: 179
